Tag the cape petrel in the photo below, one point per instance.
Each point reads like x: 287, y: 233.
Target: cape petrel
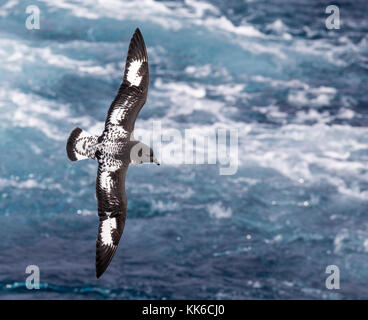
x: 114, y: 150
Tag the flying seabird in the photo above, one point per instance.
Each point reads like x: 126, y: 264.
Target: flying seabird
x: 114, y: 150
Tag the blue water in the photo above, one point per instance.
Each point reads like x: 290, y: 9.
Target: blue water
x: 295, y: 91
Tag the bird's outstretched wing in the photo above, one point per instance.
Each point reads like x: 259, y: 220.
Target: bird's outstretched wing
x: 112, y: 205
x: 132, y: 93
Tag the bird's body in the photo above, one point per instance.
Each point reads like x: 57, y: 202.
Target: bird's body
x: 115, y: 150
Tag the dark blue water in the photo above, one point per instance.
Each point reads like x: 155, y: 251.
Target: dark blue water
x: 295, y: 91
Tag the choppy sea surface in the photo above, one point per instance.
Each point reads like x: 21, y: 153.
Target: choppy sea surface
x: 296, y: 93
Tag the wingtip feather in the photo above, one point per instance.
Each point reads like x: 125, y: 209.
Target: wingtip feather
x: 137, y: 31
x: 137, y: 46
x: 104, y: 255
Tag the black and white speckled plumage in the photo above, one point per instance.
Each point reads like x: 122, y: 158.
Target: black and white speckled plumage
x: 81, y: 145
x: 113, y: 149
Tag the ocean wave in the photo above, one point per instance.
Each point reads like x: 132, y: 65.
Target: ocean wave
x: 5, y: 9
x: 15, y: 55
x: 293, y: 152
x: 168, y: 15
x: 216, y: 210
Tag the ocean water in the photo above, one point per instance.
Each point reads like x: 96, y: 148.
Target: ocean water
x: 295, y: 92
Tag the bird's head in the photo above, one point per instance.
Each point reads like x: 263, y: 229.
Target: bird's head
x: 141, y: 153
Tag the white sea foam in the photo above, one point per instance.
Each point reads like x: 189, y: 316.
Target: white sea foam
x: 164, y: 206
x: 312, y: 97
x: 218, y: 211
x: 181, y: 88
x: 230, y: 92
x: 277, y: 25
x: 290, y: 150
x: 85, y: 212
x: 294, y: 150
x: 31, y: 183
x: 297, y: 150
x: 335, y: 55
x: 345, y: 114
x: 293, y: 83
x: 199, y: 71
x: 30, y: 110
x: 184, y: 99
x: 272, y: 112
x: 339, y: 240
x: 262, y: 48
x: 312, y: 115
x: 15, y: 55
x: 168, y: 15
x: 6, y: 8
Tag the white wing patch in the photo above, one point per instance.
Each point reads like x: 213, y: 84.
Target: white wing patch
x: 132, y: 75
x: 105, y: 180
x: 107, y: 228
x: 117, y: 115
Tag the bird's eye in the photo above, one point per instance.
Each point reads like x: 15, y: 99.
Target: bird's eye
x: 140, y: 153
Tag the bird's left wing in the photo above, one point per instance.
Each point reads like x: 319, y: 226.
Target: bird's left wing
x: 112, y: 205
x: 132, y: 93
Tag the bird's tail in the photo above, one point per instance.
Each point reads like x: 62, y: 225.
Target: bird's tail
x: 81, y: 145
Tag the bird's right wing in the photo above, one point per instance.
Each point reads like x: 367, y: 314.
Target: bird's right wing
x: 132, y: 93
x: 112, y: 205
